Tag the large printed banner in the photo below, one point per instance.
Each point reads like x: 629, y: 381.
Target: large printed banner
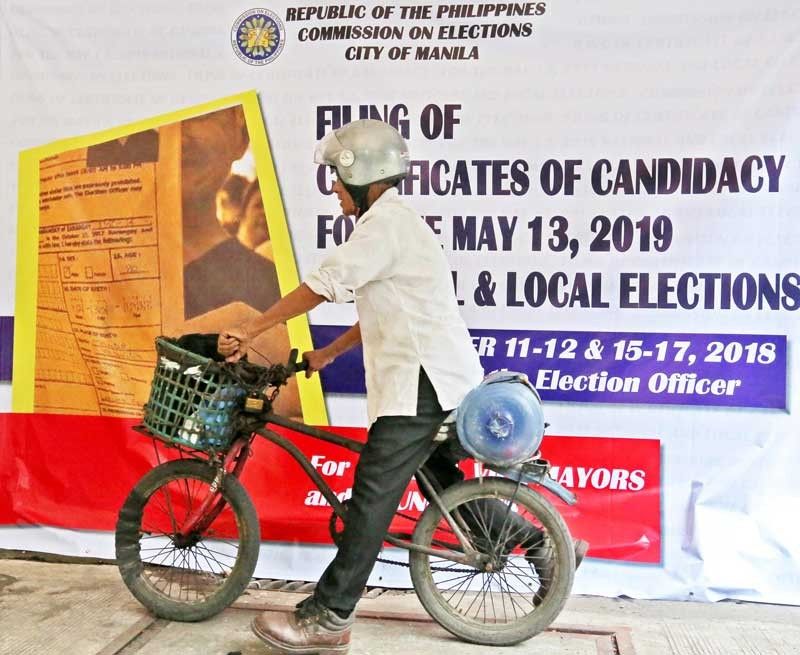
x: 615, y: 187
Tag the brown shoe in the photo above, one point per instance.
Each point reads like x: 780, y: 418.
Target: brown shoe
x: 312, y: 628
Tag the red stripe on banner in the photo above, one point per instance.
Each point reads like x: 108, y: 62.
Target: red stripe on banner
x: 75, y: 472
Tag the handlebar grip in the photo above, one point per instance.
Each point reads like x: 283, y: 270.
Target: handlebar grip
x: 293, y: 364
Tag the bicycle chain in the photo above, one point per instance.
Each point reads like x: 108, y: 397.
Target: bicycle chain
x: 393, y: 562
x: 433, y: 568
x: 382, y: 560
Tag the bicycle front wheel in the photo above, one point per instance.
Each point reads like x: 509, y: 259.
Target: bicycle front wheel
x: 186, y: 576
x: 529, y: 564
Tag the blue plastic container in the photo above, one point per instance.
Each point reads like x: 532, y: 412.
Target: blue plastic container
x: 216, y: 417
x: 501, y: 421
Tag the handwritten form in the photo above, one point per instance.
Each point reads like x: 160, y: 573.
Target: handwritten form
x: 110, y: 273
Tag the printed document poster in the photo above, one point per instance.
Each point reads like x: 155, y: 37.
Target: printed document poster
x: 164, y: 228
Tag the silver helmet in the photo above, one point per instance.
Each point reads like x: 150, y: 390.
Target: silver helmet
x: 363, y: 152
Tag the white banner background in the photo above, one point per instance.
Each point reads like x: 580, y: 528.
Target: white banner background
x: 624, y: 80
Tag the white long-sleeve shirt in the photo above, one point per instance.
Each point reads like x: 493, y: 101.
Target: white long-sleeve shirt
x: 394, y: 268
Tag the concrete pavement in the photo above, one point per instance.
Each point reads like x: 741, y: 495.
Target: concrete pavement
x: 84, y: 609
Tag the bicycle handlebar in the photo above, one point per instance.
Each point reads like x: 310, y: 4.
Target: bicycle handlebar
x: 255, y: 378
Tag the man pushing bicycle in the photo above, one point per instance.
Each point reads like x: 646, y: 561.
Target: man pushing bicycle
x: 418, y: 359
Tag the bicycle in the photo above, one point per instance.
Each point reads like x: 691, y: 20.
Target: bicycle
x: 187, y: 536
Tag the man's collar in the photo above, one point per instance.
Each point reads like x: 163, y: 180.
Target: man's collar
x: 390, y: 194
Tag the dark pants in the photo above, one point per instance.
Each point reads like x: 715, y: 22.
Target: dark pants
x: 396, y: 447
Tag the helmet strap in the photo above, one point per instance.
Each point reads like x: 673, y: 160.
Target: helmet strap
x: 359, y: 196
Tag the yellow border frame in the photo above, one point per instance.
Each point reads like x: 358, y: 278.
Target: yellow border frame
x: 311, y: 398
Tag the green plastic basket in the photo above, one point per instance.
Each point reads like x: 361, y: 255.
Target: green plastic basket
x: 193, y: 400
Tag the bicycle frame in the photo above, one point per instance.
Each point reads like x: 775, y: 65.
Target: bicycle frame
x: 235, y: 458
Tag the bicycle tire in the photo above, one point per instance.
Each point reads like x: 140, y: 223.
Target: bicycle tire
x: 436, y: 591
x: 139, y: 573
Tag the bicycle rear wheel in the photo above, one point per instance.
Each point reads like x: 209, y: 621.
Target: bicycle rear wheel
x: 526, y: 581
x: 186, y: 577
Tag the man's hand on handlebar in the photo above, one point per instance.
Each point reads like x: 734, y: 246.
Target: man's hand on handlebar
x: 317, y: 360
x: 233, y: 343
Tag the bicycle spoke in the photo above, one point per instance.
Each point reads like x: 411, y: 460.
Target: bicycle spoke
x: 486, y: 590
x: 522, y: 595
x: 169, y: 547
x: 158, y: 503
x: 526, y: 571
x: 483, y: 586
x: 446, y: 567
x: 467, y: 588
x: 170, y: 576
x: 491, y: 597
x: 181, y: 574
x: 502, y: 598
x: 522, y: 529
x: 514, y: 604
x: 520, y: 578
x: 451, y: 569
x: 503, y: 537
x: 484, y: 594
x: 214, y: 559
x: 221, y: 554
x: 441, y: 583
x: 154, y: 548
x: 514, y: 593
x: 198, y: 591
x: 188, y: 496
x: 479, y: 521
x: 154, y: 521
x: 171, y: 513
x: 208, y: 567
x: 166, y: 556
x: 466, y: 582
x: 233, y: 544
x: 161, y: 550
